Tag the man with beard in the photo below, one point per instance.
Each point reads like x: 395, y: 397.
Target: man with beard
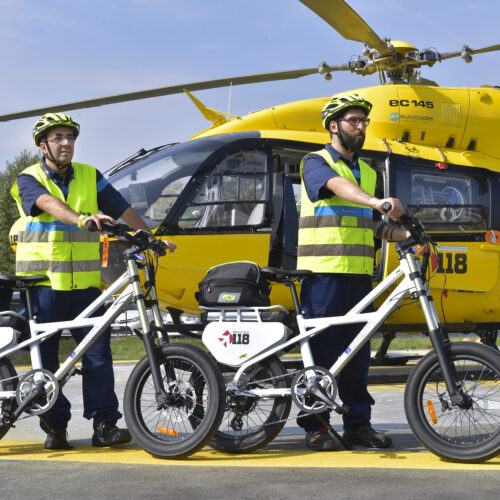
x: 336, y: 229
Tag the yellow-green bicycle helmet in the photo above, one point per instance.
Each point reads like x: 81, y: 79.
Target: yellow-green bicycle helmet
x: 49, y: 120
x: 339, y: 104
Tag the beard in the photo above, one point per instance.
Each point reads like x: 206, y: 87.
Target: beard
x: 352, y: 141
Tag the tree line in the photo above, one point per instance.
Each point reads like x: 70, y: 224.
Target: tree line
x: 8, y: 209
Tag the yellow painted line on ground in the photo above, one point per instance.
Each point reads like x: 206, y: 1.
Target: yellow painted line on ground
x: 268, y: 458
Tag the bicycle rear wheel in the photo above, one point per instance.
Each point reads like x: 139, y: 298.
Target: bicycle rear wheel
x: 470, y: 434
x: 189, y: 419
x: 8, y: 382
x: 249, y: 423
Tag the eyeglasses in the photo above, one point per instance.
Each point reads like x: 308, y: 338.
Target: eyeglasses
x: 355, y: 121
x: 59, y: 138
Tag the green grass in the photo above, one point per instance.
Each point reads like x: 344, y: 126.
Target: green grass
x: 132, y: 348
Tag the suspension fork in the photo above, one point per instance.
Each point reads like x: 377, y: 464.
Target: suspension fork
x: 438, y: 334
x: 151, y: 351
x: 161, y: 334
x: 150, y: 280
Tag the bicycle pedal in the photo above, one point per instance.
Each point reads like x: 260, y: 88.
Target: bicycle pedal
x: 341, y: 409
x: 81, y: 371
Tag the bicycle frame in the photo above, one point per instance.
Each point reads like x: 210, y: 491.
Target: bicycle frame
x: 42, y: 331
x: 409, y: 271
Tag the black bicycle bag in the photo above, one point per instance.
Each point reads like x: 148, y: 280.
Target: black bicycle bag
x: 234, y: 284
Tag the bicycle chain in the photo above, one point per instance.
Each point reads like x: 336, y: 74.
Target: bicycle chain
x: 7, y: 379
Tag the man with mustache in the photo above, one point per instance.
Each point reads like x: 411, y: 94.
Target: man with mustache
x: 336, y: 229
x: 57, y: 198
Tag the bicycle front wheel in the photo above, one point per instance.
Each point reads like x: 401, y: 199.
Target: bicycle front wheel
x: 465, y: 434
x: 8, y: 382
x: 249, y: 423
x: 193, y: 411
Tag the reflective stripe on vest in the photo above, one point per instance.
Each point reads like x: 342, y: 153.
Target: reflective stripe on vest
x: 336, y: 236
x: 66, y: 254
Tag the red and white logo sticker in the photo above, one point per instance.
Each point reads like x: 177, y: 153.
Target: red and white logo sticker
x: 227, y: 338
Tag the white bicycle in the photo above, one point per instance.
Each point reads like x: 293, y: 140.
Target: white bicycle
x: 452, y: 396
x: 173, y: 400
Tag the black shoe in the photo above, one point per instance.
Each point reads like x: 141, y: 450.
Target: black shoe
x: 108, y: 434
x: 320, y: 440
x: 368, y: 437
x: 57, y: 441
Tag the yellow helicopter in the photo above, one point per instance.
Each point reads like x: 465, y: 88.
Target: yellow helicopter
x: 232, y: 191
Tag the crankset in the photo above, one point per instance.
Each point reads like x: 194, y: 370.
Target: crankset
x: 314, y: 390
x: 30, y: 382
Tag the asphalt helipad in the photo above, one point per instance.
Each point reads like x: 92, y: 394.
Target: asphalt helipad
x: 286, y: 459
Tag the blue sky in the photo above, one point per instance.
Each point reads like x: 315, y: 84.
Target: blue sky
x: 59, y: 51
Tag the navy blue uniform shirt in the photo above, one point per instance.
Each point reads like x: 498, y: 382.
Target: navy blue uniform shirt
x: 109, y: 200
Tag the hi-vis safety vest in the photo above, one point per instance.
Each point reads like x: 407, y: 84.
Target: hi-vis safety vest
x: 336, y: 236
x: 66, y: 254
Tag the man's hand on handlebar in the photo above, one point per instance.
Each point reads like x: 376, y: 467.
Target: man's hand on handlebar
x: 395, y: 211
x: 97, y: 219
x: 106, y: 224
x: 161, y: 247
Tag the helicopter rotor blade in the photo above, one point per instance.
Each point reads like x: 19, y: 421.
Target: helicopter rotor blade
x: 466, y: 50
x: 347, y: 22
x: 162, y: 91
x: 491, y: 48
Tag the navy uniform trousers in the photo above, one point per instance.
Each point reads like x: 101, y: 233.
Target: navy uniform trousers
x: 334, y: 295
x: 99, y: 398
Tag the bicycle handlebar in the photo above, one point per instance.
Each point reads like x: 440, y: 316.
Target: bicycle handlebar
x: 411, y: 224
x: 139, y: 238
x: 114, y: 229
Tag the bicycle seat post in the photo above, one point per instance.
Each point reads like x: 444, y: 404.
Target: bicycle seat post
x: 35, y: 354
x: 295, y: 297
x: 29, y: 302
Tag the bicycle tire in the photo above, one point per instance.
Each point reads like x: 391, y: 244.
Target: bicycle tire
x: 185, y: 425
x: 457, y: 434
x: 7, y: 406
x: 262, y: 417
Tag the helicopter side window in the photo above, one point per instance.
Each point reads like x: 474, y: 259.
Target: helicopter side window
x: 448, y: 200
x: 234, y: 194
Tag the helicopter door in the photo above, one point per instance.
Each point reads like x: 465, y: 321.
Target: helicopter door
x: 226, y: 217
x: 455, y: 205
x: 285, y: 226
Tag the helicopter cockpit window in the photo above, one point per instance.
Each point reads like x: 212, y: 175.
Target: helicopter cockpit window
x: 449, y: 200
x: 152, y: 186
x: 234, y: 194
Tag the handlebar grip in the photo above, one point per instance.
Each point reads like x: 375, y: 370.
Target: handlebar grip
x: 92, y: 226
x: 113, y: 229
x: 386, y: 207
x: 158, y: 247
